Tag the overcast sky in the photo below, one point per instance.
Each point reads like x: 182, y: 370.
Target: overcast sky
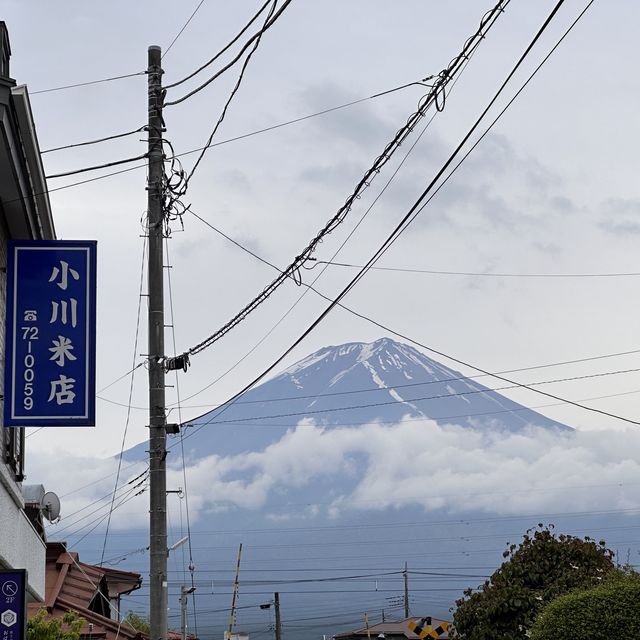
x: 552, y: 190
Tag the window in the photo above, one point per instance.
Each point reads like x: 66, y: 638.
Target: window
x: 14, y: 451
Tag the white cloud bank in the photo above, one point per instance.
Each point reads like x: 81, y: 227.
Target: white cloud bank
x: 375, y: 467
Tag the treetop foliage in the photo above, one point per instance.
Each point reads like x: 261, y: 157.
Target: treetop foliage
x: 608, y: 610
x: 43, y: 626
x: 535, y: 572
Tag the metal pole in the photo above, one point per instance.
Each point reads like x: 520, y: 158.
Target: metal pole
x: 406, y: 591
x: 276, y: 601
x: 183, y: 612
x: 157, y: 419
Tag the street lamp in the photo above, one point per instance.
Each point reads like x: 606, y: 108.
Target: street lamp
x: 184, y: 592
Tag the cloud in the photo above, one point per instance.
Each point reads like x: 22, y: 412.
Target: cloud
x: 622, y: 216
x: 360, y: 126
x: 420, y: 464
x: 86, y: 494
x: 375, y: 467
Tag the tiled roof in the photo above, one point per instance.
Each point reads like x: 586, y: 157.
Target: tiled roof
x: 74, y: 585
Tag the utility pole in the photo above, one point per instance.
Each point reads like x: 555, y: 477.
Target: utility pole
x: 276, y: 604
x: 157, y: 417
x: 184, y: 592
x: 405, y: 574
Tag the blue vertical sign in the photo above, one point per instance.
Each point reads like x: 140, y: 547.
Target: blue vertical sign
x: 13, y: 604
x: 50, y: 334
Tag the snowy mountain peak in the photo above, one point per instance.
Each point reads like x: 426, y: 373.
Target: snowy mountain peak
x: 357, y: 383
x: 381, y: 359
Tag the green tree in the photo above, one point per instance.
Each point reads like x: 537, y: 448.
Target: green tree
x: 537, y: 571
x: 609, y: 610
x: 43, y: 626
x: 138, y: 623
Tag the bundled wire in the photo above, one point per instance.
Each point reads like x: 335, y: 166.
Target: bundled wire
x: 272, y: 19
x: 174, y: 189
x: 435, y: 97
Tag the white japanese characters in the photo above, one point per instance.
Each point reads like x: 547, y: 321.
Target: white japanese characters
x: 61, y: 349
x: 63, y: 312
x: 50, y: 334
x: 61, y: 390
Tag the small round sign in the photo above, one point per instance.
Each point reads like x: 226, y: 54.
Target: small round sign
x: 10, y: 588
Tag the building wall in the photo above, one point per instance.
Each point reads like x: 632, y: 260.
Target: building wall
x: 20, y: 545
x: 26, y: 215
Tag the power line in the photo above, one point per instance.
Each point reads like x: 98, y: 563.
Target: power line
x: 98, y: 140
x: 442, y: 396
x: 417, y: 207
x: 235, y: 89
x: 128, y: 417
x: 486, y: 274
x: 300, y: 298
x: 223, y: 50
x: 182, y: 456
x: 139, y: 479
x: 607, y: 513
x: 377, y: 388
x: 271, y: 20
x: 86, y: 84
x: 186, y: 24
x: 234, y: 138
x: 337, y: 251
x: 476, y: 414
x: 435, y: 97
x: 97, y: 167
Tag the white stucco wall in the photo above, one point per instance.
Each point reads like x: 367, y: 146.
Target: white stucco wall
x: 20, y: 545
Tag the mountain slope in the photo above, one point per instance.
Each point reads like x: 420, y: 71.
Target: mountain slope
x: 354, y: 384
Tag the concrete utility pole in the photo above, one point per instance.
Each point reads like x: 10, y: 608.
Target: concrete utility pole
x: 157, y: 417
x: 405, y: 573
x: 276, y: 604
x: 184, y: 592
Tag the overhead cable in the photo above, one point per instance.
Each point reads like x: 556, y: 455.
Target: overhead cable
x: 98, y: 140
x: 183, y: 457
x: 417, y: 207
x: 186, y: 24
x: 442, y: 396
x: 86, y: 84
x: 487, y: 274
x: 435, y: 97
x: 257, y: 36
x: 221, y: 118
x: 234, y: 138
x: 96, y: 167
x: 130, y: 402
x: 223, y: 50
x: 335, y: 253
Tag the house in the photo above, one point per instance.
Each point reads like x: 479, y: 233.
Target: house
x: 92, y: 591
x: 25, y: 213
x: 395, y: 630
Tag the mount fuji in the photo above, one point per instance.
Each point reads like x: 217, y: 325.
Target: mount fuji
x: 350, y: 462
x: 354, y: 384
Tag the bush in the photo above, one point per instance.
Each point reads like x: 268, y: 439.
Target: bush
x: 610, y: 610
x: 543, y: 567
x: 42, y: 626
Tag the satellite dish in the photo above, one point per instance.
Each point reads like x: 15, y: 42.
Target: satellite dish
x: 50, y: 506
